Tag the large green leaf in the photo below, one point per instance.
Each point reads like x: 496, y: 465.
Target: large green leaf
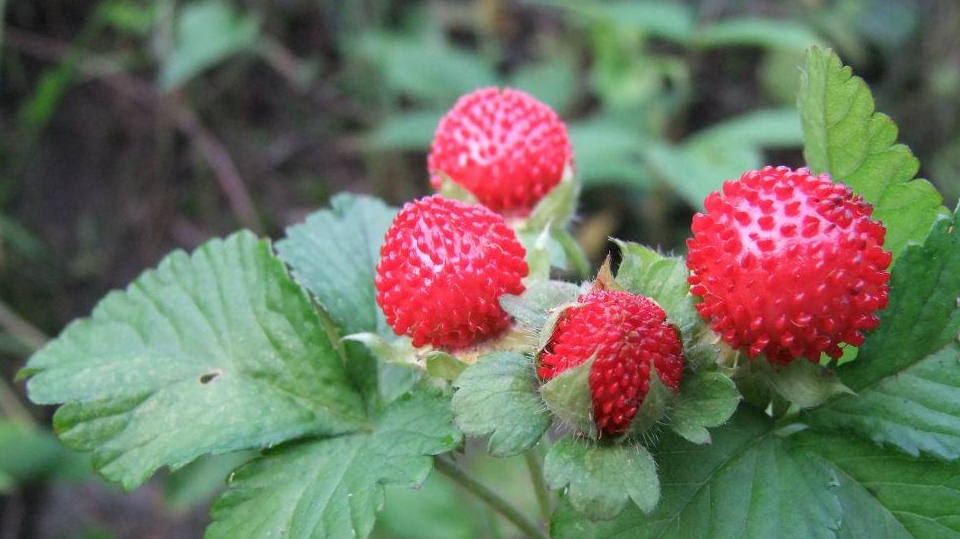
x: 333, y: 488
x: 747, y: 483
x: 212, y: 352
x: 888, y: 494
x: 334, y: 254
x: 845, y: 136
x: 601, y: 479
x: 907, y: 374
x: 497, y: 396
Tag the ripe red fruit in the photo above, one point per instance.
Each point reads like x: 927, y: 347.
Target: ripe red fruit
x: 628, y: 333
x: 443, y: 266
x: 788, y: 264
x: 506, y: 148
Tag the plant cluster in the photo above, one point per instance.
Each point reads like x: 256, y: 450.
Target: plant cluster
x: 795, y: 375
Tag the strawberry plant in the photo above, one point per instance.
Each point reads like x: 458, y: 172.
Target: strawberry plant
x: 796, y: 374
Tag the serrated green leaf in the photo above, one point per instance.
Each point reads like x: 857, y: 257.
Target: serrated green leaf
x: 747, y: 483
x: 533, y: 306
x: 568, y: 396
x: 333, y: 488
x: 907, y: 374
x: 601, y: 479
x: 887, y: 494
x: 334, y: 254
x: 802, y: 383
x: 662, y: 278
x: 497, y: 396
x: 207, y: 33
x: 212, y: 352
x: 845, y: 136
x: 707, y: 399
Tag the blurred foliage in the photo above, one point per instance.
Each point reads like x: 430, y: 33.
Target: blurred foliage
x: 131, y: 127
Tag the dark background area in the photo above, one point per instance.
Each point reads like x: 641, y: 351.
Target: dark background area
x: 131, y: 128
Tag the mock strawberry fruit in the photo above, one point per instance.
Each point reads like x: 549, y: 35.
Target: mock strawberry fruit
x: 504, y: 147
x: 443, y: 266
x: 629, y: 334
x: 789, y: 264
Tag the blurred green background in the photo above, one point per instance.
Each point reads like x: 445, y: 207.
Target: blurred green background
x: 129, y: 128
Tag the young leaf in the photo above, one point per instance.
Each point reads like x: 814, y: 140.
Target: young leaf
x: 568, y: 396
x: 907, y: 374
x: 212, y: 352
x: 747, y: 483
x: 334, y: 255
x: 533, y: 306
x: 498, y: 396
x: 332, y: 488
x: 600, y: 479
x: 662, y: 278
x: 888, y: 494
x: 845, y: 136
x: 707, y: 399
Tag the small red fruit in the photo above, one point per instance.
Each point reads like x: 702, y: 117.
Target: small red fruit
x: 506, y: 148
x: 788, y: 264
x: 443, y: 266
x: 628, y: 333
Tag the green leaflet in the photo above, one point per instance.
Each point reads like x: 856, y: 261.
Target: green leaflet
x: 601, y: 479
x: 707, y: 399
x: 845, y: 136
x: 907, y: 374
x: 333, y: 488
x: 211, y: 352
x: 747, y: 483
x: 662, y: 278
x: 334, y: 254
x: 887, y: 494
x: 497, y: 396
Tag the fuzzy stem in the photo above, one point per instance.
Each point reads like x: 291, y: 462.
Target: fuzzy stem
x: 453, y: 471
x: 535, y: 466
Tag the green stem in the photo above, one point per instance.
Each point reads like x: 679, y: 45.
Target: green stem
x: 454, y: 471
x: 539, y: 485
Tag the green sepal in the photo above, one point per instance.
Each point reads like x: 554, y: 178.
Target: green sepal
x: 443, y: 365
x: 600, y: 479
x: 568, y: 396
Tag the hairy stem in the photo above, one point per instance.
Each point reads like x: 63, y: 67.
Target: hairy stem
x: 452, y: 470
x: 535, y: 466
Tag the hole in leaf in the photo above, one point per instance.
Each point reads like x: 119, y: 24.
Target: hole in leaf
x: 210, y: 376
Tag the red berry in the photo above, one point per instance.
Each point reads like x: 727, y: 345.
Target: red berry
x: 443, y: 266
x: 628, y: 333
x: 788, y: 264
x: 506, y: 148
